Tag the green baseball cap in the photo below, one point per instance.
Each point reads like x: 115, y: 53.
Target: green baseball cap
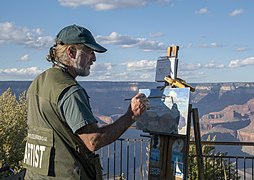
x: 74, y: 34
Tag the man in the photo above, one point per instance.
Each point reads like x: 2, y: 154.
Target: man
x: 62, y: 131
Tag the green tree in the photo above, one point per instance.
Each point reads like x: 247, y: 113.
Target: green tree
x: 13, y: 129
x: 215, y: 166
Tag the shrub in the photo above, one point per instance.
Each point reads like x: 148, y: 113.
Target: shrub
x: 216, y: 166
x: 13, y: 129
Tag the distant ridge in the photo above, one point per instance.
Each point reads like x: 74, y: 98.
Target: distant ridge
x: 107, y: 98
x: 107, y: 101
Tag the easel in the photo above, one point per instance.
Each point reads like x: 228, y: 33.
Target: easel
x: 164, y: 169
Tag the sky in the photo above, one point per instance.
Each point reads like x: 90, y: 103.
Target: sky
x: 215, y: 37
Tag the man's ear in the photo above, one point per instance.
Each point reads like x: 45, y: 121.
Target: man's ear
x: 71, y: 52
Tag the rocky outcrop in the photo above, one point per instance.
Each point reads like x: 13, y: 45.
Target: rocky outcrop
x: 231, y: 113
x: 233, y: 123
x: 210, y: 97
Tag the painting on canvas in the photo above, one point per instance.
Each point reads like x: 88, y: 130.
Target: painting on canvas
x: 168, y: 111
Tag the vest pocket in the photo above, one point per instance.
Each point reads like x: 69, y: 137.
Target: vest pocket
x: 37, y: 151
x: 95, y: 165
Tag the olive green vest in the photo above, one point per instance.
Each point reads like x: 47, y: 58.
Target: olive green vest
x: 52, y: 150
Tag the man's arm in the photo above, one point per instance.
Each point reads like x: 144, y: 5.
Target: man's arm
x: 95, y: 137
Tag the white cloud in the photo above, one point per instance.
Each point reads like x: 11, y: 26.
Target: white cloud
x: 236, y: 12
x: 101, y: 5
x: 242, y: 49
x: 211, y: 45
x: 189, y: 45
x: 141, y: 65
x: 24, y: 57
x: 143, y: 70
x: 117, y: 39
x: 198, y: 66
x: 191, y: 75
x: 101, y: 67
x: 130, y: 42
x: 19, y: 73
x: 10, y: 33
x: 189, y: 67
x: 213, y: 65
x: 241, y: 62
x: 156, y: 34
x: 202, y: 11
x: 149, y: 45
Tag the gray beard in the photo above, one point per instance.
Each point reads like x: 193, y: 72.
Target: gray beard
x: 80, y: 71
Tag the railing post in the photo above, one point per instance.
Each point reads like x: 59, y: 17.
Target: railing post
x: 198, y: 144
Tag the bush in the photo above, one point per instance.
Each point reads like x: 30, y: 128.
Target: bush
x: 13, y: 129
x: 216, y: 166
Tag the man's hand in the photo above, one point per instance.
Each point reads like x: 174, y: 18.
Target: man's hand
x: 139, y: 104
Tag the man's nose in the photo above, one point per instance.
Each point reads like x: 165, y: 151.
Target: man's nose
x: 93, y: 57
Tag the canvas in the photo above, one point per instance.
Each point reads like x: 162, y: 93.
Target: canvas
x: 168, y: 111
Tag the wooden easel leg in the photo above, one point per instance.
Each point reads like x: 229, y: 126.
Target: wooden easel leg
x: 165, y: 160
x: 164, y: 156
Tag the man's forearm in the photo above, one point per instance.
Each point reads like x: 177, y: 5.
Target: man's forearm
x: 95, y: 137
x: 110, y: 132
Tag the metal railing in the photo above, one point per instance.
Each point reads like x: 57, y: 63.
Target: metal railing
x: 222, y: 166
x: 128, y: 159
x: 125, y: 159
